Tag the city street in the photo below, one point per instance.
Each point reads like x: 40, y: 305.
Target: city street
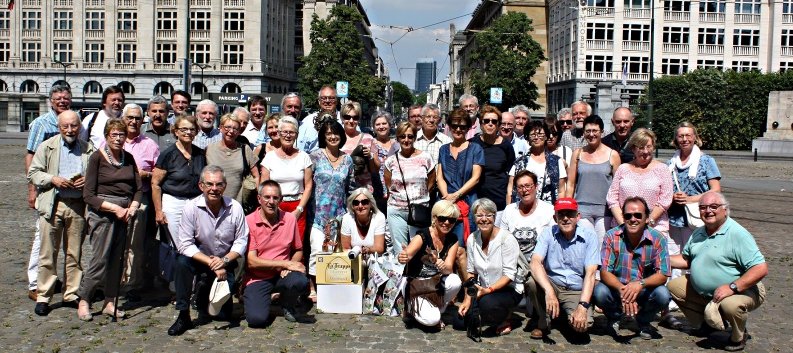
x: 761, y: 195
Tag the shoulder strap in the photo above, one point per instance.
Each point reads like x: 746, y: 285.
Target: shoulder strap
x: 246, y: 170
x: 402, y: 174
x: 91, y: 125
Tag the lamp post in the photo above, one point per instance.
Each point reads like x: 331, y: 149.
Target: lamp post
x: 65, y: 65
x: 202, y: 67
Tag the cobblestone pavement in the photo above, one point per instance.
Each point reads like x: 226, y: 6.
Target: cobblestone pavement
x: 764, y: 213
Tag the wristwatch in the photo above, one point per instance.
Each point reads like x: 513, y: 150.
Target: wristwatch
x: 584, y: 304
x: 642, y: 282
x: 226, y: 261
x: 299, y: 209
x: 734, y: 287
x: 651, y: 222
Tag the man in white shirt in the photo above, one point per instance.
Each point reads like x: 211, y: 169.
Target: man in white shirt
x: 94, y: 125
x: 257, y: 107
x: 527, y: 218
x: 428, y: 138
x: 508, y: 132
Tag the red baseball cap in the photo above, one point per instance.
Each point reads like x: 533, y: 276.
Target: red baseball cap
x: 566, y: 203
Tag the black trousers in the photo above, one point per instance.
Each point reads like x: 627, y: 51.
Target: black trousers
x: 258, y: 296
x: 185, y: 271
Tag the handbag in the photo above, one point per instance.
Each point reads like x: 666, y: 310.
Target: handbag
x: 693, y: 218
x: 247, y: 194
x: 167, y: 254
x: 419, y: 216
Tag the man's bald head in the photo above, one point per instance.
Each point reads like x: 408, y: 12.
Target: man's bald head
x: 69, y: 125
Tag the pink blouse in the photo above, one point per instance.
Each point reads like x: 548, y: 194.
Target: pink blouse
x: 654, y: 186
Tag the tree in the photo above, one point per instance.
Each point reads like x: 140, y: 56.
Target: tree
x: 402, y: 96
x: 507, y: 56
x: 337, y: 54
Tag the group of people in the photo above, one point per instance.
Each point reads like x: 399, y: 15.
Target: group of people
x: 500, y: 205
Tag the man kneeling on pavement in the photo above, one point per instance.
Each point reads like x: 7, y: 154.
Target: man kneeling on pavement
x: 635, y: 267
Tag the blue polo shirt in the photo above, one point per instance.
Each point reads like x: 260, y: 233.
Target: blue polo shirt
x: 566, y: 261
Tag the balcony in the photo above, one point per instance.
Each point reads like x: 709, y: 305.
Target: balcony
x: 711, y: 17
x: 31, y: 3
x: 675, y: 48
x: 62, y: 34
x: 787, y: 18
x: 234, y: 3
x: 200, y: 3
x: 636, y: 13
x: 5, y: 33
x: 236, y: 67
x: 747, y: 18
x: 199, y: 35
x: 125, y: 66
x: 787, y: 51
x: 679, y: 16
x: 631, y: 45
x: 596, y: 75
x: 601, y: 44
x: 638, y: 77
x: 233, y: 35
x: 63, y: 3
x: 29, y: 65
x: 128, y: 4
x: 165, y: 66
x: 744, y: 50
x: 166, y: 34
x: 598, y: 12
x: 94, y: 33
x: 711, y: 49
x: 129, y: 35
x: 94, y: 3
x: 166, y: 3
x: 93, y: 66
x: 31, y: 33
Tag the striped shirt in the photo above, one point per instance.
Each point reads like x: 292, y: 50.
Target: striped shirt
x: 41, y: 129
x: 649, y: 256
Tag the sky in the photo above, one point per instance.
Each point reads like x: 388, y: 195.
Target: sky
x: 390, y: 20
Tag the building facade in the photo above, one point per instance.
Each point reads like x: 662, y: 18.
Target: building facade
x: 605, y: 51
x: 426, y: 74
x: 234, y: 46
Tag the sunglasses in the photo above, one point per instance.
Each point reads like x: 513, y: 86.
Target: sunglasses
x: 409, y: 137
x: 489, y: 121
x: 458, y: 127
x: 629, y: 216
x: 442, y: 219
x: 348, y: 117
x: 360, y: 202
x: 566, y: 122
x: 566, y: 214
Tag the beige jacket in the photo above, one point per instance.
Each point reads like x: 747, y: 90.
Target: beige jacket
x: 44, y: 167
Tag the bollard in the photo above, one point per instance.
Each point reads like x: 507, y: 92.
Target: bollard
x: 755, y: 155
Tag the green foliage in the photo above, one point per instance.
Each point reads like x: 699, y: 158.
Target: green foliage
x: 402, y: 96
x: 337, y: 54
x: 506, y: 56
x: 728, y: 108
x: 420, y: 98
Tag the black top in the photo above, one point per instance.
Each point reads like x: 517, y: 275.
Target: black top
x: 181, y: 175
x: 626, y: 155
x: 493, y: 182
x: 103, y: 178
x: 417, y: 266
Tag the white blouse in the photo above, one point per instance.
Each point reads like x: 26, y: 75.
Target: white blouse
x: 501, y: 259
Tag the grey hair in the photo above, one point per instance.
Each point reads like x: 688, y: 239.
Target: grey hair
x: 466, y: 97
x: 365, y: 192
x: 485, y: 204
x: 207, y: 102
x: 291, y: 95
x: 721, y: 198
x: 287, y: 119
x: 563, y: 113
x: 520, y: 108
x: 430, y: 106
x: 588, y: 107
x: 241, y: 110
x: 158, y: 99
x: 130, y: 106
x: 382, y: 114
x: 59, y: 89
x: 212, y: 169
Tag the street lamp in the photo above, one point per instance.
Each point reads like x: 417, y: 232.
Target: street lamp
x: 65, y: 65
x: 202, y: 67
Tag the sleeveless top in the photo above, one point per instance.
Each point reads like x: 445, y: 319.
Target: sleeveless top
x: 593, y: 181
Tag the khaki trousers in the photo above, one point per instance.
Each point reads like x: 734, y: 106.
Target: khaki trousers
x: 568, y: 302
x: 735, y: 308
x: 66, y: 226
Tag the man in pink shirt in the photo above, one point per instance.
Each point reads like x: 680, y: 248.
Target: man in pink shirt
x: 275, y: 254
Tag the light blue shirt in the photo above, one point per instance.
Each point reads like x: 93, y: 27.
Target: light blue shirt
x: 41, y: 129
x: 566, y: 261
x: 203, y: 139
x: 70, y: 164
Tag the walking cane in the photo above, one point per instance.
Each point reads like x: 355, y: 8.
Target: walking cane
x: 130, y: 229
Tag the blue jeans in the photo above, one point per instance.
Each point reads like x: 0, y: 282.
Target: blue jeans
x: 401, y: 232
x: 651, y: 301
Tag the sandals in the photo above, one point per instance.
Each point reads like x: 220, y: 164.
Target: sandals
x: 120, y: 314
x: 313, y: 296
x: 84, y: 317
x: 504, y: 329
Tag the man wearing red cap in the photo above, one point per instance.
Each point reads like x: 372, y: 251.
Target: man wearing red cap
x: 563, y: 268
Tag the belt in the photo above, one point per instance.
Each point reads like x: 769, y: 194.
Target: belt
x: 291, y: 197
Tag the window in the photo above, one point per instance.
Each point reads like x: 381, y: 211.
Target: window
x: 94, y: 52
x: 742, y: 66
x: 636, y: 33
x: 675, y: 35
x: 670, y: 66
x: 197, y: 88
x: 62, y: 51
x: 31, y: 52
x: 166, y: 20
x: 602, y: 31
x: 598, y: 63
x: 747, y: 7
x: 677, y: 6
x: 199, y: 53
x: 783, y: 66
x: 126, y: 53
x: 62, y: 20
x: 637, y: 4
x: 5, y: 19
x: 710, y: 64
x: 92, y: 87
x: 600, y: 3
x: 164, y: 89
x: 166, y: 53
x: 127, y: 21
x: 787, y: 37
x: 94, y: 20
x: 637, y: 64
x: 126, y: 87
x: 231, y: 88
x: 787, y: 7
x: 29, y: 86
x: 199, y: 20
x: 234, y: 21
x: 3, y: 86
x: 746, y: 37
x: 5, y: 51
x: 31, y: 19
x: 232, y: 54
x: 712, y: 6
x: 711, y: 36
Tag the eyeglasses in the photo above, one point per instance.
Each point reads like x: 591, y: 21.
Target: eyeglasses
x: 483, y: 216
x: 288, y: 133
x: 186, y: 130
x: 711, y: 207
x: 430, y: 116
x: 214, y: 185
x: 629, y: 216
x: 489, y: 121
x: 409, y: 137
x: 566, y: 122
x: 353, y: 117
x: 139, y: 118
x: 360, y: 202
x: 327, y: 99
x: 526, y: 187
x: 566, y: 214
x: 269, y: 197
x: 648, y: 148
x: 116, y: 135
x: 231, y: 128
x: 458, y: 127
x: 442, y: 219
x: 537, y: 136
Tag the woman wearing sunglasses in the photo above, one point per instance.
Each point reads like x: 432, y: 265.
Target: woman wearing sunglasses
x: 499, y: 158
x: 555, y: 132
x: 358, y: 145
x: 363, y: 225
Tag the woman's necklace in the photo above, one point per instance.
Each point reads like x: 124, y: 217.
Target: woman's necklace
x: 328, y: 154
x: 113, y: 160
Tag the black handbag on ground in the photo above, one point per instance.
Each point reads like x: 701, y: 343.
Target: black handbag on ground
x: 419, y: 216
x: 167, y: 254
